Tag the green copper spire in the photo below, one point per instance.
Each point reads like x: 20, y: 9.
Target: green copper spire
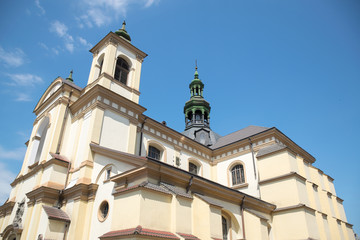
x: 123, y: 33
x: 196, y: 75
x: 70, y: 76
x: 197, y: 109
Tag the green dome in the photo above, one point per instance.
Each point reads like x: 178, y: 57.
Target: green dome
x: 123, y: 33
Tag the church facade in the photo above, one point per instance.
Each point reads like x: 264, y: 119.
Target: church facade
x: 97, y: 167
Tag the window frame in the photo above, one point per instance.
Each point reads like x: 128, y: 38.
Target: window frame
x: 243, y: 180
x: 120, y: 70
x: 151, y: 151
x: 195, y: 165
x: 101, y: 216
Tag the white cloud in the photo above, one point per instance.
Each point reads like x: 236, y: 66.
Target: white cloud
x: 24, y: 79
x: 13, y: 154
x: 55, y: 51
x: 13, y: 58
x: 62, y: 31
x: 69, y: 47
x: 101, y: 12
x: 59, y: 28
x: 23, y: 97
x: 44, y: 46
x: 37, y: 3
x: 84, y: 42
x: 6, y: 176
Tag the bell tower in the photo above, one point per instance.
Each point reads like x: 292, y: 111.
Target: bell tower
x: 117, y: 64
x: 197, y: 114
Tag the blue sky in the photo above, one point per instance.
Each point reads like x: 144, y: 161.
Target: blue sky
x: 293, y: 64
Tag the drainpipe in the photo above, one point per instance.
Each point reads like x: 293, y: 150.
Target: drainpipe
x: 141, y: 135
x: 253, y: 158
x: 242, y: 216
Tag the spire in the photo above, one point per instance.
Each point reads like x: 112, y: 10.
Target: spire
x: 196, y: 75
x: 197, y: 109
x: 123, y: 33
x: 70, y: 76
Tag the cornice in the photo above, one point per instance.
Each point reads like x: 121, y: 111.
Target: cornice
x: 285, y: 176
x: 38, y: 167
x: 163, y: 133
x: 7, y: 208
x: 294, y: 207
x: 64, y: 88
x: 118, y: 155
x: 115, y: 39
x: 196, y: 184
x: 81, y: 191
x: 99, y: 91
x: 43, y: 194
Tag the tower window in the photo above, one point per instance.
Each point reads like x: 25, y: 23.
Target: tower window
x: 121, y: 70
x: 154, y: 153
x: 193, y: 168
x: 224, y: 228
x: 237, y: 174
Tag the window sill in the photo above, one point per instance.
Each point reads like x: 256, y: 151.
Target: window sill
x: 33, y: 165
x: 239, y: 186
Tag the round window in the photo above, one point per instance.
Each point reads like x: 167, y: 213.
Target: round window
x: 103, y: 211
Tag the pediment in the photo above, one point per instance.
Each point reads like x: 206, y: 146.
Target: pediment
x: 54, y: 90
x: 54, y: 86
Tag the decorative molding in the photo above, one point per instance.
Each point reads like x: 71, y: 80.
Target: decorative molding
x: 285, y: 176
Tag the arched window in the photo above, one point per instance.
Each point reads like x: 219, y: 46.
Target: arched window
x: 39, y: 141
x: 154, y: 153
x: 237, y: 174
x: 224, y: 228
x: 121, y: 70
x: 193, y: 168
x: 101, y: 65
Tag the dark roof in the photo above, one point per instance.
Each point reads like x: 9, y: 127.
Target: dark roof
x: 209, y: 200
x: 188, y: 236
x: 270, y: 149
x: 56, y: 214
x: 139, y: 231
x: 72, y: 84
x: 146, y: 185
x: 176, y: 190
x: 238, y: 135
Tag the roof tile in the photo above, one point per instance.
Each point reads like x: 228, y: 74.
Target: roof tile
x: 238, y: 135
x: 139, y: 230
x: 56, y: 214
x: 270, y: 149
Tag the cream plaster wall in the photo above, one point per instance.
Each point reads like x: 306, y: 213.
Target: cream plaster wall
x: 82, y: 147
x: 254, y: 229
x: 282, y: 193
x: 182, y: 215
x: 201, y: 217
x: 54, y: 173
x: 224, y: 174
x: 104, y: 193
x: 290, y: 225
x: 127, y: 207
x: 115, y: 131
x: 276, y: 164
x: 155, y: 204
x: 55, y: 229
x: 69, y: 137
x: 101, y: 162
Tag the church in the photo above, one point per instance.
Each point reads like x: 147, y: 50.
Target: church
x: 97, y: 167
